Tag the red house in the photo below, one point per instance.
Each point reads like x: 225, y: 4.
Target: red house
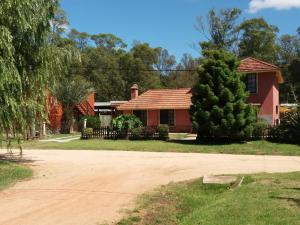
x: 171, y: 106
x: 55, y: 111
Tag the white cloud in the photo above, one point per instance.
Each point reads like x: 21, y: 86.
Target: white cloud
x: 256, y: 5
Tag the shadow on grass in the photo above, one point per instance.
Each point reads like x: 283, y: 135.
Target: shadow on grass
x: 15, y: 158
x: 205, y: 142
x: 289, y: 199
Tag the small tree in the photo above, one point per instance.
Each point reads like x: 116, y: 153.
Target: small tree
x: 219, y: 107
x: 70, y: 93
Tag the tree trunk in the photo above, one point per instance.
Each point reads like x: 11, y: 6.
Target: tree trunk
x: 67, y: 119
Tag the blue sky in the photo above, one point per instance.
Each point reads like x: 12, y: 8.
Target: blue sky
x: 170, y: 23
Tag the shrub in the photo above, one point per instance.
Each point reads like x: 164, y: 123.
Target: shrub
x: 87, y: 133
x: 149, y: 132
x: 163, y: 131
x: 288, y: 130
x: 138, y: 133
x: 92, y: 122
x: 126, y: 123
x: 260, y: 129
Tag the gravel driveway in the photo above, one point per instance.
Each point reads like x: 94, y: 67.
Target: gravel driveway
x: 90, y: 187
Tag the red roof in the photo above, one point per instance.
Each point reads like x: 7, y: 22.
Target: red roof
x: 160, y: 99
x: 252, y: 65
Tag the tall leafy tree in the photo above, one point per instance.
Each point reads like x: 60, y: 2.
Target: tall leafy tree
x: 70, y: 92
x: 80, y: 39
x: 185, y: 74
x: 258, y: 39
x: 59, y: 25
x: 219, y: 29
x: 28, y: 63
x: 101, y: 67
x: 165, y: 61
x: 137, y: 66
x: 219, y: 107
x: 289, y: 56
x: 108, y: 41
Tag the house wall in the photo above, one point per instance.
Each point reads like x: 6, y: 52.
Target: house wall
x: 153, y: 118
x: 267, y: 96
x: 182, y: 121
x: 55, y: 111
x: 55, y: 114
x: 91, y: 101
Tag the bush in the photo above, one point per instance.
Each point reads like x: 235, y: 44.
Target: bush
x: 138, y: 133
x: 163, y: 131
x: 87, y: 133
x: 260, y: 129
x: 149, y: 132
x: 92, y: 122
x: 126, y: 123
x: 288, y: 131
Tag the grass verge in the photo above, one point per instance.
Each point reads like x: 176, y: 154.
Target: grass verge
x: 263, y: 199
x: 252, y: 148
x: 10, y: 173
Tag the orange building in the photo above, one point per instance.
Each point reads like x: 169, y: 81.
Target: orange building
x: 171, y: 106
x: 55, y: 111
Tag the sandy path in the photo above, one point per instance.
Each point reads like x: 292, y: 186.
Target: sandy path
x: 89, y: 187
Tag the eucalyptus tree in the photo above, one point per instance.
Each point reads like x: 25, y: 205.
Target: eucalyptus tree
x: 28, y: 63
x: 219, y: 29
x: 258, y: 39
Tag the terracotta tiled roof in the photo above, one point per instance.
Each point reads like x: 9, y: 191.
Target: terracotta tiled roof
x: 160, y: 99
x: 251, y: 65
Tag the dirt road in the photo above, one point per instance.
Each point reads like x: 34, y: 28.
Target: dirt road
x: 90, y: 187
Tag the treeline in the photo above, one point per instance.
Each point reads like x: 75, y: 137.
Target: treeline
x: 112, y: 67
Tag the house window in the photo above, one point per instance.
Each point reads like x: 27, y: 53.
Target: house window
x: 167, y: 116
x: 251, y: 83
x: 142, y: 115
x: 277, y: 109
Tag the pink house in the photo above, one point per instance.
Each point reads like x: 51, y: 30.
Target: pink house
x: 171, y: 106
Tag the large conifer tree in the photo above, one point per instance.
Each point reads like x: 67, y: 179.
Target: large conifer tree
x: 219, y: 107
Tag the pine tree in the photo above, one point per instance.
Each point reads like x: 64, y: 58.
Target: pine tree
x: 219, y: 107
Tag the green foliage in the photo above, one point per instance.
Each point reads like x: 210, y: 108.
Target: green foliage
x: 126, y: 123
x: 288, y: 131
x: 258, y: 39
x: 260, y: 129
x: 261, y: 199
x: 29, y: 65
x: 219, y: 107
x: 138, y: 133
x: 185, y: 76
x: 92, y: 121
x: 10, y: 173
x: 87, y: 133
x: 220, y: 27
x: 70, y: 92
x: 163, y: 131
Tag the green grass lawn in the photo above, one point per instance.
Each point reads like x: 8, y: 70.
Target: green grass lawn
x: 264, y: 199
x: 254, y: 147
x: 10, y: 173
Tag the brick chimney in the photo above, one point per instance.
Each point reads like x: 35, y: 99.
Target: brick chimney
x: 134, y: 91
